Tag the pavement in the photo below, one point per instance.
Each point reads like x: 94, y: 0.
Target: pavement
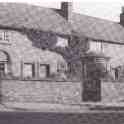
x: 63, y: 108
x: 5, y: 108
x: 47, y: 107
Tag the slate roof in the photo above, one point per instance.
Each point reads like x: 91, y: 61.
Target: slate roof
x: 97, y: 29
x: 32, y: 17
x: 18, y: 15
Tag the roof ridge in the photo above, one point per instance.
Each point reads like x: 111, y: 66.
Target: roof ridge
x: 23, y: 3
x: 80, y: 14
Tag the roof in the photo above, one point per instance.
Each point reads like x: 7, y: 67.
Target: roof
x: 97, y: 29
x: 19, y: 15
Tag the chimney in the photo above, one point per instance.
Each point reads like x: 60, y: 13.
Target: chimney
x: 66, y: 8
x: 122, y: 16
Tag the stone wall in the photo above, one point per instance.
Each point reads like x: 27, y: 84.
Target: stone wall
x: 21, y: 49
x: 112, y: 91
x: 55, y: 91
x: 41, y: 91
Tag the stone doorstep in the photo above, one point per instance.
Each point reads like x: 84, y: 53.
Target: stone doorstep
x: 115, y: 105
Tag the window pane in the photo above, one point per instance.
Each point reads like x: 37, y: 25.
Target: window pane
x: 28, y: 70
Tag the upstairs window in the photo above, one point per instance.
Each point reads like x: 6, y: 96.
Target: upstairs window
x: 28, y: 70
x: 4, y: 36
x: 95, y: 46
x: 62, y: 42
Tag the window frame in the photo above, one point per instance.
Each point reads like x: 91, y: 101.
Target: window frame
x: 96, y: 42
x: 47, y: 66
x: 5, y: 67
x: 61, y: 67
x: 4, y: 36
x: 63, y: 45
x: 2, y: 69
x: 32, y: 69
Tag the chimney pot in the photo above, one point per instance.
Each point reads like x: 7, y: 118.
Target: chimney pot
x: 66, y: 8
x: 122, y: 16
x: 122, y: 9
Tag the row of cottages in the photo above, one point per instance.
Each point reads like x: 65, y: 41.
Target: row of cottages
x: 38, y: 43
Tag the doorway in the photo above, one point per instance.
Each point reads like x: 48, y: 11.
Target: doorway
x: 91, y: 81
x: 92, y: 90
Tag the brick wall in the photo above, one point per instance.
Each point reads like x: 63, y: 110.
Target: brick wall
x: 112, y: 91
x: 40, y: 91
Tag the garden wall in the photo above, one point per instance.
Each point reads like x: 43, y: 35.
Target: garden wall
x: 40, y: 91
x: 112, y: 91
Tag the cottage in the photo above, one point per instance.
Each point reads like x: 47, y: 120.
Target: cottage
x: 46, y: 54
x: 24, y: 46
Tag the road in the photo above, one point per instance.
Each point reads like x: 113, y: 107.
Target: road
x: 57, y: 118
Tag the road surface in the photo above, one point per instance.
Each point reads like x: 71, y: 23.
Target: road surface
x: 57, y: 118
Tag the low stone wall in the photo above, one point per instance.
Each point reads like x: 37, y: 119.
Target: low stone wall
x: 40, y: 91
x: 112, y: 91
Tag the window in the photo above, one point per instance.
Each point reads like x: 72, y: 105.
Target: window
x: 4, y: 36
x: 69, y: 67
x: 95, y: 46
x: 44, y: 70
x: 61, y: 67
x: 62, y: 42
x: 3, y: 69
x: 28, y: 70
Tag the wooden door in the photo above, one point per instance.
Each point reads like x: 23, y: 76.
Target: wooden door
x: 92, y: 90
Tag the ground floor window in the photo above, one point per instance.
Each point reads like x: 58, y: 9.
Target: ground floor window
x: 4, y: 63
x: 2, y: 69
x: 28, y: 70
x: 34, y: 70
x: 116, y: 72
x: 44, y: 70
x: 61, y: 67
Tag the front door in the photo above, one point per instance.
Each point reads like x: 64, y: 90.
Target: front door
x: 92, y: 90
x: 91, y: 83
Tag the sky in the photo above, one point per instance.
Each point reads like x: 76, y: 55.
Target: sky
x: 106, y: 9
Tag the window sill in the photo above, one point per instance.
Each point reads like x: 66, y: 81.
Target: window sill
x: 39, y: 79
x: 3, y: 43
